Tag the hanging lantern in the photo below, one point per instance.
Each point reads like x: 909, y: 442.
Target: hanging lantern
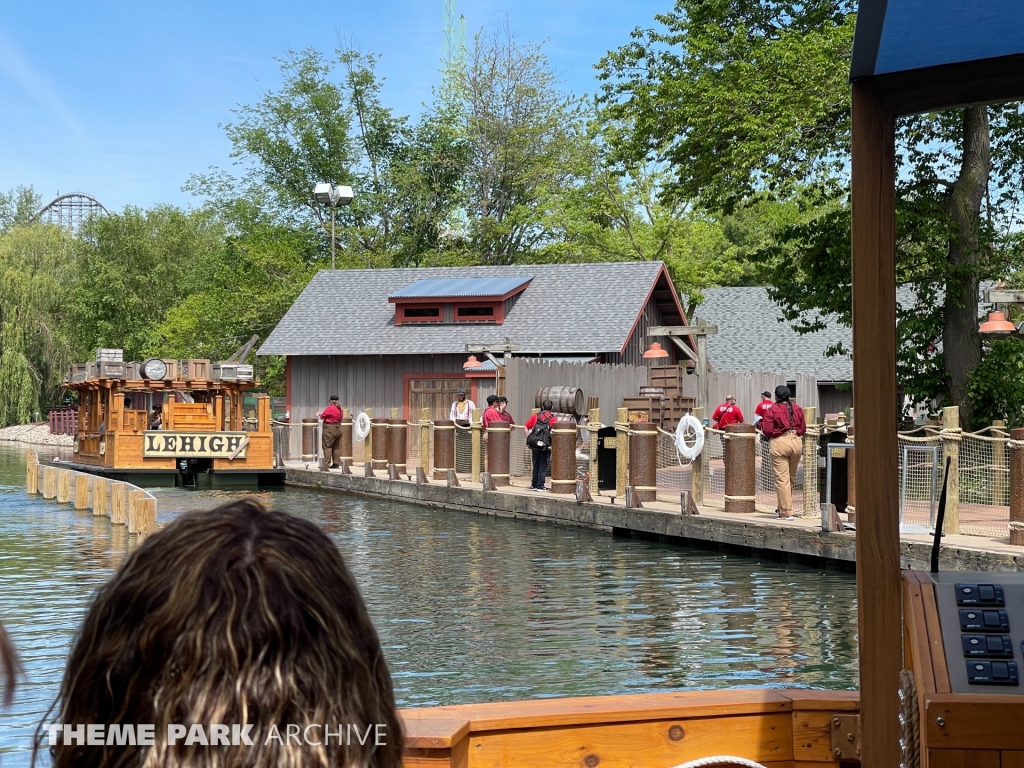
x: 997, y: 325
x: 655, y: 351
x: 472, y: 363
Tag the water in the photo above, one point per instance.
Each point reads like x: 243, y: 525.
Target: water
x: 469, y: 608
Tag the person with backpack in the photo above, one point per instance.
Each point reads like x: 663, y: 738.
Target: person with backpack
x: 538, y: 440
x: 783, y: 424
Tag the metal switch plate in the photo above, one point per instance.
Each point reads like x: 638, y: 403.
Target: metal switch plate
x: 987, y: 646
x: 987, y: 595
x: 978, y: 620
x: 992, y: 673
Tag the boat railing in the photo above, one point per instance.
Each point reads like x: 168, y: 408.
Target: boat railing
x: 123, y: 503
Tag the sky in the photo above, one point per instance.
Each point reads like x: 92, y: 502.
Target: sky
x: 123, y: 100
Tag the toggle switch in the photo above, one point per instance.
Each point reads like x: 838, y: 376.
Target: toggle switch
x: 992, y: 673
x: 983, y: 621
x: 988, y: 595
x: 987, y: 646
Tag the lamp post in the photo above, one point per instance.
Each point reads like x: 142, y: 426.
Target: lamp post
x: 329, y: 194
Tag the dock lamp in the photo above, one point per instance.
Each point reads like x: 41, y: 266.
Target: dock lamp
x: 329, y: 194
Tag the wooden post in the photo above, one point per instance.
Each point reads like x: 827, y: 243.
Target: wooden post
x: 31, y: 473
x: 63, y: 486
x: 951, y: 436
x: 811, y: 508
x: 879, y: 584
x: 218, y: 412
x: 118, y: 504
x: 702, y: 369
x: 146, y: 517
x: 1017, y: 487
x: 135, y: 498
x: 999, y: 474
x: 475, y: 425
x: 368, y: 441
x: 82, y: 483
x: 99, y: 496
x: 425, y: 439
x: 593, y: 426
x: 697, y: 466
x: 621, y: 452
x: 49, y: 483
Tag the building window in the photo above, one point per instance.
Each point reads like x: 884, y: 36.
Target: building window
x: 476, y: 312
x: 418, y: 314
x: 422, y: 312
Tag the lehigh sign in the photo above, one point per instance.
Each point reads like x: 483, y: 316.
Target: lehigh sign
x: 194, y: 445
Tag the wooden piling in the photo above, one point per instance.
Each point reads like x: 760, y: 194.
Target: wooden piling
x: 621, y: 451
x: 146, y: 517
x: 1017, y: 487
x: 475, y: 426
x: 593, y: 427
x: 99, y: 496
x: 810, y: 446
x: 951, y: 436
x: 998, y: 478
x: 697, y: 467
x: 32, y: 473
x: 63, y: 486
x: 49, y: 483
x: 82, y: 483
x: 135, y: 497
x: 118, y: 504
x: 425, y: 439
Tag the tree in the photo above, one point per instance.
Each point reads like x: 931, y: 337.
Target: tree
x: 19, y: 206
x: 34, y: 273
x: 130, y: 269
x: 748, y: 101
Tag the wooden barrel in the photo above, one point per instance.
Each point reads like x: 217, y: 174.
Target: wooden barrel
x: 563, y: 399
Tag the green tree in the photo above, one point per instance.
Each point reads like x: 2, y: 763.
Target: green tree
x: 19, y: 206
x: 130, y: 269
x: 748, y: 101
x: 34, y: 273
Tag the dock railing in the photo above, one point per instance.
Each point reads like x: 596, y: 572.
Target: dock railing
x: 124, y: 503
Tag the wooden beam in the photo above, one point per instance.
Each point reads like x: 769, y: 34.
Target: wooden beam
x: 880, y: 613
x: 681, y: 330
x: 1004, y: 297
x: 493, y: 348
x: 684, y: 347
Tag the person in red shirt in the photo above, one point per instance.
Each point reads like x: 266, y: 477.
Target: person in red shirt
x: 762, y: 408
x: 503, y: 414
x: 490, y: 412
x: 727, y: 413
x: 541, y: 455
x: 783, y: 424
x: 331, y: 437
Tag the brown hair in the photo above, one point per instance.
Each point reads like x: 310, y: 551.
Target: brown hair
x: 237, y: 615
x: 9, y: 667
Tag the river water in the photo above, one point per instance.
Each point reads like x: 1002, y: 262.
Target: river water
x: 469, y: 608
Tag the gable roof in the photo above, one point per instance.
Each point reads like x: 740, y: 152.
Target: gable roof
x: 566, y: 309
x: 461, y: 287
x: 753, y: 337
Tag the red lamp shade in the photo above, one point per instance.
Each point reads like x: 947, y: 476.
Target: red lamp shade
x: 655, y: 351
x: 472, y: 363
x: 997, y: 325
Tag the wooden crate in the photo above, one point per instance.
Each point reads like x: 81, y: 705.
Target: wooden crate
x: 651, y: 405
x: 667, y: 377
x: 173, y: 371
x: 104, y: 355
x: 109, y: 369
x: 78, y: 372
x: 232, y: 372
x: 194, y: 369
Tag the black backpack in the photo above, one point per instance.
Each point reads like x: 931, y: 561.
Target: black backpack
x: 539, y: 438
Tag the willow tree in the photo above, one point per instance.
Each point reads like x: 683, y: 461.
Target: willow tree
x: 34, y: 263
x: 748, y: 100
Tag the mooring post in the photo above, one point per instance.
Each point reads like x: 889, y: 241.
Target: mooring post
x: 697, y: 466
x: 425, y: 441
x: 379, y: 432
x: 593, y: 427
x: 146, y: 517
x: 563, y: 457
x: 134, y: 498
x: 99, y: 497
x: 475, y: 426
x: 499, y: 441
x: 346, y: 440
x: 740, y: 443
x: 999, y: 475
x: 118, y: 504
x: 851, y: 478
x: 397, y: 441
x: 1016, y: 446
x: 309, y: 448
x: 49, y: 483
x: 643, y: 460
x: 621, y: 452
x: 951, y: 435
x: 31, y: 473
x: 811, y: 505
x: 82, y: 483
x: 63, y: 486
x: 368, y: 440
x: 444, y: 448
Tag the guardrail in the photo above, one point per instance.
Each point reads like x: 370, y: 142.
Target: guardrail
x: 123, y: 503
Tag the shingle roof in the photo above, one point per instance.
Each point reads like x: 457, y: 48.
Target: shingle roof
x: 567, y: 308
x: 461, y: 287
x: 753, y: 337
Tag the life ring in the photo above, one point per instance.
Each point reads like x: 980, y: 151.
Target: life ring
x: 685, y: 449
x: 721, y: 761
x: 361, y: 426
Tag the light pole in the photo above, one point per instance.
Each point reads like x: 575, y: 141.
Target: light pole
x: 328, y: 194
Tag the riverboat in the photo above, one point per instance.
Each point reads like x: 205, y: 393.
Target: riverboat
x: 168, y: 422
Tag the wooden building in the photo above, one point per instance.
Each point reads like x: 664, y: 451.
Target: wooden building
x: 397, y: 338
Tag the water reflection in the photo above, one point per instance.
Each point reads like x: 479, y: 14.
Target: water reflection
x: 469, y: 608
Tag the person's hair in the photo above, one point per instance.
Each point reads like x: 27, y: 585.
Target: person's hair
x: 9, y: 667
x: 238, y: 615
x: 547, y: 405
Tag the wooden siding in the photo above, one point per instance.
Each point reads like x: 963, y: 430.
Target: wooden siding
x: 638, y: 342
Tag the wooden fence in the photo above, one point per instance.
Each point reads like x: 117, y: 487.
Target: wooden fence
x: 63, y: 421
x: 123, y: 503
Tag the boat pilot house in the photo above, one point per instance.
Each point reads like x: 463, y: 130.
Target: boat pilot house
x: 411, y: 338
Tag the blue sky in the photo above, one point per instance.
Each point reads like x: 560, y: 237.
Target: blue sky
x: 122, y: 100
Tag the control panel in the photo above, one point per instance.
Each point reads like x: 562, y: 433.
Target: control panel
x: 982, y: 620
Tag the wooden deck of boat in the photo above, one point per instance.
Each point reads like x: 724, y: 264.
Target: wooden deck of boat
x: 780, y: 728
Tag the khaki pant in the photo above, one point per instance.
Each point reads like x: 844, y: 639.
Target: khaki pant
x: 785, y: 451
x: 331, y: 442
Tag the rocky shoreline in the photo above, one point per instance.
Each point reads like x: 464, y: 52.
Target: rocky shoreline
x: 36, y: 434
